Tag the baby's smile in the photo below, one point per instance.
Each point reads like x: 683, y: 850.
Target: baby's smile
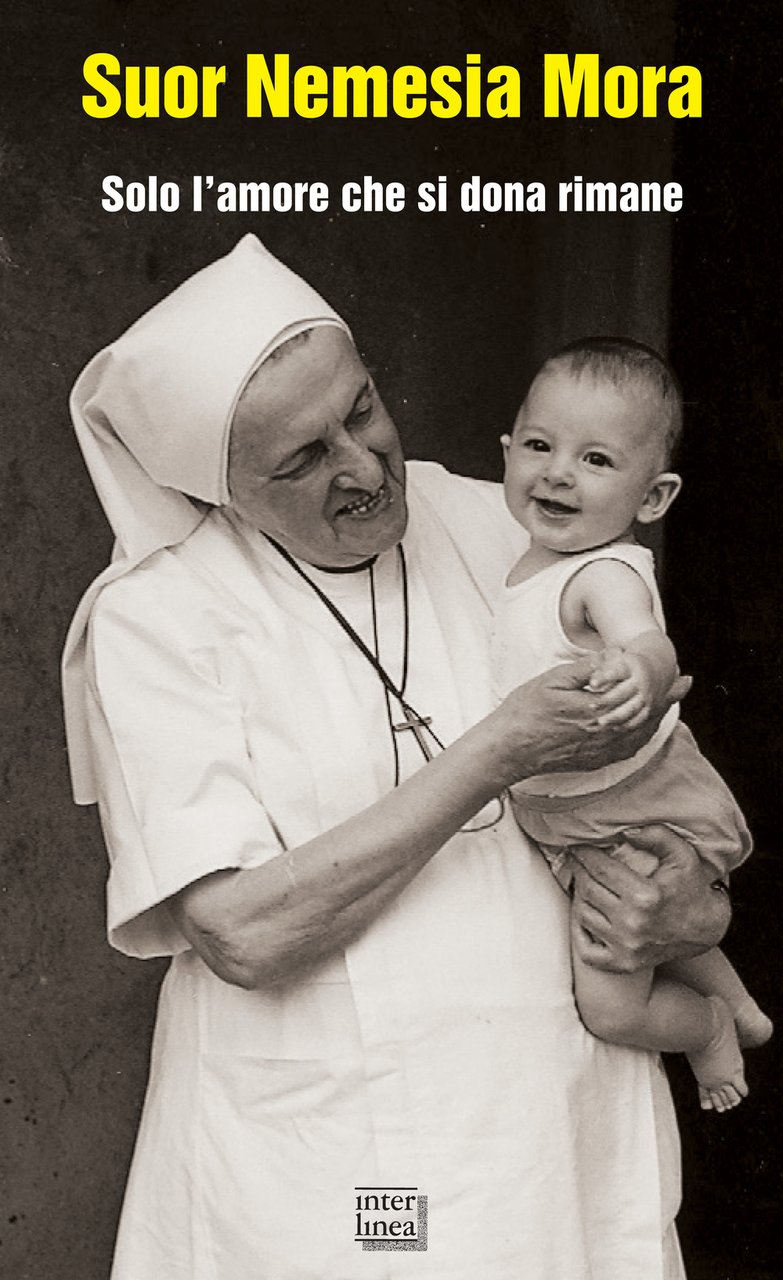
x: 582, y: 463
x: 550, y: 507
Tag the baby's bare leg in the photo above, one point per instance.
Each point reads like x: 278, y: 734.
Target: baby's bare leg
x: 650, y: 1011
x: 713, y: 974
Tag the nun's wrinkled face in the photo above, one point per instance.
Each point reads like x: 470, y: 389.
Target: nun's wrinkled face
x: 314, y: 458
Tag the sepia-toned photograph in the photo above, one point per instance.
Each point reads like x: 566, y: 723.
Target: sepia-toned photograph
x: 391, y: 666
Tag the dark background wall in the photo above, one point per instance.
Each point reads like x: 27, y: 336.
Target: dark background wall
x: 453, y: 312
x: 723, y: 569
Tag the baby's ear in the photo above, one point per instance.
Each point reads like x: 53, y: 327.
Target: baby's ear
x: 659, y: 497
x: 505, y: 440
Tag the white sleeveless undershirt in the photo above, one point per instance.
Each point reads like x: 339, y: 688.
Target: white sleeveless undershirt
x: 529, y: 638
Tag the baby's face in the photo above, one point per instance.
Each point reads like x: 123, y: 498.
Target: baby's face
x: 581, y: 461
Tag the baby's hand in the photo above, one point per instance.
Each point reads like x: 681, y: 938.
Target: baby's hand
x: 625, y: 685
x: 610, y: 667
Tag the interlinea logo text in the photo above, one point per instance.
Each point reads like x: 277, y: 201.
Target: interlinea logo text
x: 391, y: 1218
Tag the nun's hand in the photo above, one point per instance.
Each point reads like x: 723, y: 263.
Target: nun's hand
x: 556, y: 722
x: 624, y: 920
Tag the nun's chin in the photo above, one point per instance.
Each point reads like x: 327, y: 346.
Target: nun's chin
x: 368, y: 528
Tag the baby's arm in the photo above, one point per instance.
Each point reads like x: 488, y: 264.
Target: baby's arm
x: 610, y: 601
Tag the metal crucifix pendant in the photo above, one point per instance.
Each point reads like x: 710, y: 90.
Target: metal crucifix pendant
x: 417, y: 723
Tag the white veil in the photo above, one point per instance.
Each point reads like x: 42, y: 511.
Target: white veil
x: 152, y: 414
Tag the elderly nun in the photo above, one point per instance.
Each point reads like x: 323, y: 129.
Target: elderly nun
x: 278, y: 694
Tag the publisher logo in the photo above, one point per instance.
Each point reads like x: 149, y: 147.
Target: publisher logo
x: 391, y: 1218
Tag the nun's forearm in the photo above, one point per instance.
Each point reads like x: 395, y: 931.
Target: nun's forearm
x: 268, y: 926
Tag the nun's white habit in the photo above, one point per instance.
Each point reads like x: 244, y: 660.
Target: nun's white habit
x: 219, y: 714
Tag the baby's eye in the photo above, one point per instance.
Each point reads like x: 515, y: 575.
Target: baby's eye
x: 538, y: 446
x: 596, y: 459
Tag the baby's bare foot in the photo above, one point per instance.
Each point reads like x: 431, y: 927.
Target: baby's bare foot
x: 719, y: 1099
x: 754, y: 1028
x: 718, y: 1067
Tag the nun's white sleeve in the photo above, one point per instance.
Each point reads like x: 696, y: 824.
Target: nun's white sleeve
x: 176, y: 791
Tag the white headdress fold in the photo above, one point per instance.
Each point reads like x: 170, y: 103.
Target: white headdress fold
x: 153, y: 412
